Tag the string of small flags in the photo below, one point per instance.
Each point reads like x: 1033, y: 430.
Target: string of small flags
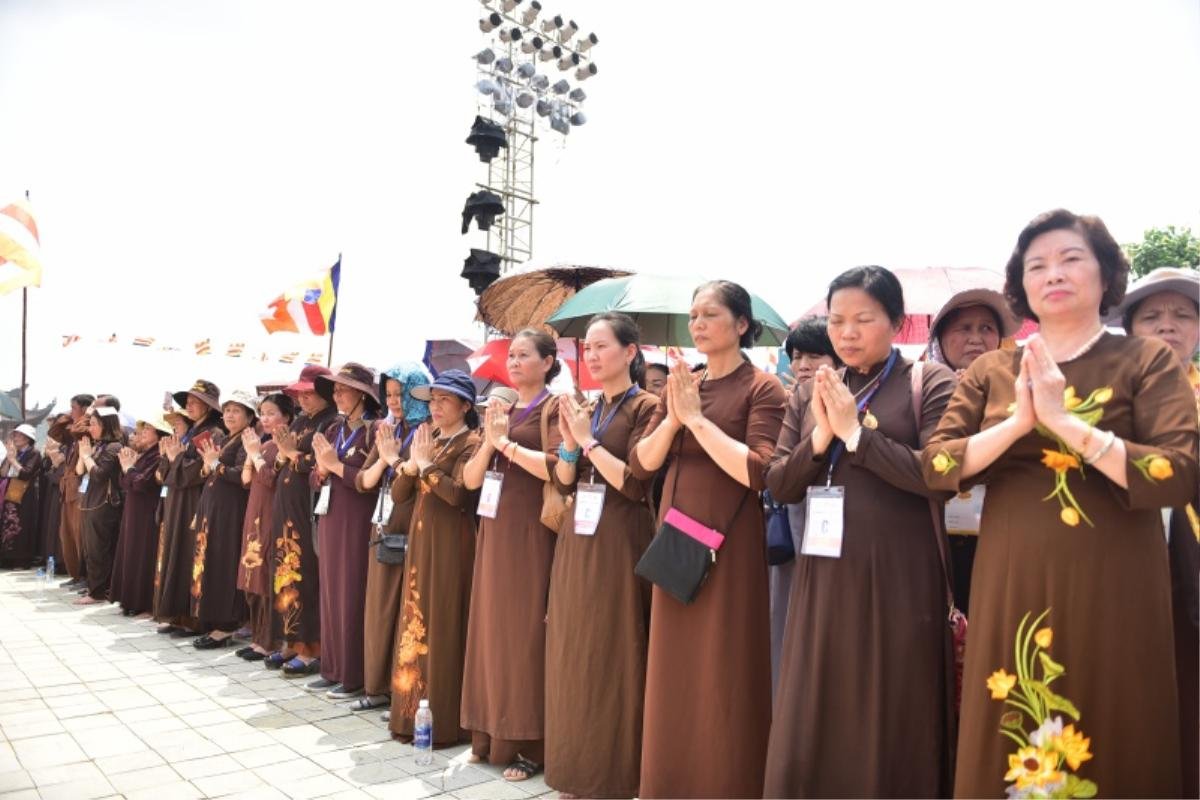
x: 204, y: 347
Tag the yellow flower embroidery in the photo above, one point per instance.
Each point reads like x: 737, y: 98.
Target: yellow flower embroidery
x: 1039, y: 767
x: 1033, y: 767
x: 252, y: 558
x: 1154, y: 468
x: 408, y: 684
x: 1000, y: 683
x: 1059, y: 462
x: 1075, y: 748
x: 943, y: 462
x: 1063, y: 459
x: 1044, y: 637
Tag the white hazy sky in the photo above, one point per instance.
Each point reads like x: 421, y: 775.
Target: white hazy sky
x: 188, y: 161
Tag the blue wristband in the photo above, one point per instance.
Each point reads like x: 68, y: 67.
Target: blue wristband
x: 569, y: 456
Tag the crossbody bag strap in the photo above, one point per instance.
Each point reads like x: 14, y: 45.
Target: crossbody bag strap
x: 918, y: 390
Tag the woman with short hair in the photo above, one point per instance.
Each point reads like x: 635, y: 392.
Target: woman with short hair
x: 1082, y: 437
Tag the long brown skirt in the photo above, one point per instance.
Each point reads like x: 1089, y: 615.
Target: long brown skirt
x: 384, y: 584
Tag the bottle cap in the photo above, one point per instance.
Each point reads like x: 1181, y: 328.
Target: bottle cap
x: 423, y: 704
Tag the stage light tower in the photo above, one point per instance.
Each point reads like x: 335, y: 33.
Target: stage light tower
x: 523, y: 88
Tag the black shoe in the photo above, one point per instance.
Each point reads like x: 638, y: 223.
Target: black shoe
x: 254, y: 655
x: 183, y: 633
x: 275, y: 660
x: 207, y: 642
x: 241, y: 653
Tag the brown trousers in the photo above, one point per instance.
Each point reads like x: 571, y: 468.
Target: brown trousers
x: 71, y: 537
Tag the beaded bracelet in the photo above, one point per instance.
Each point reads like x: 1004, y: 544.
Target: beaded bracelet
x: 569, y: 456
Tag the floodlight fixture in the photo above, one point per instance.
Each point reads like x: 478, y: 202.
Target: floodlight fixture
x: 485, y: 56
x: 585, y: 72
x: 525, y: 99
x: 578, y: 95
x: 481, y: 269
x: 488, y: 86
x: 490, y: 22
x: 587, y: 43
x: 559, y: 124
x: 527, y: 70
x: 567, y: 61
x: 578, y: 118
x: 509, y: 5
x: 550, y: 52
x: 562, y: 87
x: 504, y: 65
x: 510, y: 34
x: 540, y: 82
x: 552, y: 24
x: 531, y: 12
x: 567, y: 31
x: 543, y: 108
x: 532, y: 45
x: 487, y: 138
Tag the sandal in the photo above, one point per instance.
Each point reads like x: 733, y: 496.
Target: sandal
x: 296, y: 667
x: 276, y: 660
x: 525, y: 767
x: 369, y: 702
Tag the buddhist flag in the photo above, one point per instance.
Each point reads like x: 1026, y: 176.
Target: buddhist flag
x: 309, y: 307
x: 20, y: 260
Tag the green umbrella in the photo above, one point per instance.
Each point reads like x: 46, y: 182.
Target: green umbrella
x: 659, y: 304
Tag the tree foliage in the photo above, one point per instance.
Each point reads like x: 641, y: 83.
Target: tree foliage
x: 1164, y: 247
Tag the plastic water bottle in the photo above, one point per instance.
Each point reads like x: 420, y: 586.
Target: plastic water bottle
x: 423, y: 734
x: 50, y: 570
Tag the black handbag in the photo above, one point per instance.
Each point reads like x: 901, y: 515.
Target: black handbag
x: 683, y: 551
x: 780, y: 548
x: 390, y: 547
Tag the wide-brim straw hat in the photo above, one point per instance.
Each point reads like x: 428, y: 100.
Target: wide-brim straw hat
x: 204, y: 391
x: 159, y: 422
x: 1163, y: 279
x: 355, y: 376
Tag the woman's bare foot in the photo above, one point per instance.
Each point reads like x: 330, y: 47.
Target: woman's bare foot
x: 86, y: 601
x: 474, y: 759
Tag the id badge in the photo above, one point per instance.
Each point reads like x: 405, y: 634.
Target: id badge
x: 322, y: 506
x: 163, y: 492
x: 965, y: 511
x: 489, y: 494
x: 589, y: 503
x: 824, y: 521
x: 83, y: 484
x: 383, y: 507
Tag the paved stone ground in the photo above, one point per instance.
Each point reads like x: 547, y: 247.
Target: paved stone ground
x: 93, y: 705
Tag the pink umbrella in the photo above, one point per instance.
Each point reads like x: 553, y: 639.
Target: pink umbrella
x: 927, y: 290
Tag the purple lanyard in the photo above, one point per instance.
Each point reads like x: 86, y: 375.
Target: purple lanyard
x: 343, y: 444
x: 862, y: 403
x: 599, y: 426
x: 529, y: 408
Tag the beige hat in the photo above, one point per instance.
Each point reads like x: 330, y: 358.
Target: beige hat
x: 1009, y: 323
x: 1163, y: 279
x: 242, y: 397
x: 505, y: 393
x: 158, y: 421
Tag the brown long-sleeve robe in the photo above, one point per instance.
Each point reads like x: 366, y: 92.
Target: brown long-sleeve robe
x: 597, y: 627
x: 431, y: 632
x: 866, y: 653
x: 708, y: 672
x: 133, y: 572
x: 1106, y: 584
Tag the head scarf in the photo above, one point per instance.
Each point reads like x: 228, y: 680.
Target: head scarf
x: 410, y: 374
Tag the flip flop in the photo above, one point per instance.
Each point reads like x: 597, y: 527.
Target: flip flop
x: 525, y: 767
